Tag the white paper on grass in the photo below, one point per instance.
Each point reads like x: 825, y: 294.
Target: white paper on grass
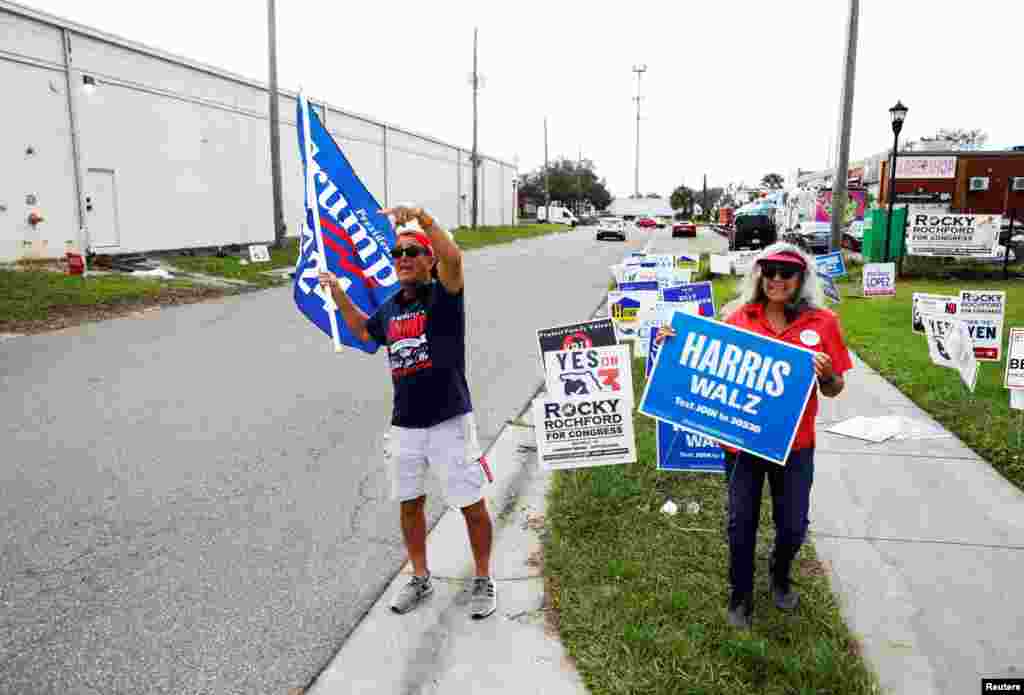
x: 870, y: 429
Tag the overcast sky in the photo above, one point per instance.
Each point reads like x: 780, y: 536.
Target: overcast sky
x: 734, y: 88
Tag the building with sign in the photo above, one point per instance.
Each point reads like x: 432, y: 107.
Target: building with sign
x: 972, y: 182
x: 117, y: 147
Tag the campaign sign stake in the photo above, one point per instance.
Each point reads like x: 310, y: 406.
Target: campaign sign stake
x: 731, y: 385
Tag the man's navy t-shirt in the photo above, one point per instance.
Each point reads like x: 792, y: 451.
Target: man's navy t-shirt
x: 426, y: 341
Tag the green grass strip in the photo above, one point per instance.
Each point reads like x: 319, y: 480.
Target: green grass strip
x: 489, y: 236
x: 232, y: 267
x: 879, y: 330
x: 640, y: 597
x: 31, y: 295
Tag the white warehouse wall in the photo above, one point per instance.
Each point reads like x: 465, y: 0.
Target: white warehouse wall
x: 176, y: 155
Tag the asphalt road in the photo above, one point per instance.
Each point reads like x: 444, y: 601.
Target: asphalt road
x: 194, y: 499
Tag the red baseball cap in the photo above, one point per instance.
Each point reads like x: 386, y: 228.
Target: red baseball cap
x: 784, y: 257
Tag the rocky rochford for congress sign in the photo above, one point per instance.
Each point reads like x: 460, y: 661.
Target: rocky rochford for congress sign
x: 730, y: 385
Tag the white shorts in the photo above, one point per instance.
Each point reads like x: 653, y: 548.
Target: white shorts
x: 450, y: 448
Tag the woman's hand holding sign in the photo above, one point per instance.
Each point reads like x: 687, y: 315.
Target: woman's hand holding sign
x: 665, y: 331
x: 830, y: 383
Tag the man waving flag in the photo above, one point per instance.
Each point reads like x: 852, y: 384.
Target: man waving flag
x: 344, y: 233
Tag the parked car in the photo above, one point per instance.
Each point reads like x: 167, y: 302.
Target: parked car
x: 663, y: 221
x: 647, y: 223
x: 611, y: 228
x: 684, y: 228
x: 752, y: 231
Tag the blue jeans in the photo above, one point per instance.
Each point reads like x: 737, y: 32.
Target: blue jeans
x: 791, y: 500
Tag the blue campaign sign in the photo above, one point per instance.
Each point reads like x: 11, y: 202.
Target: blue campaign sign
x: 679, y: 450
x: 639, y: 285
x: 831, y: 264
x: 829, y: 287
x: 731, y: 385
x: 693, y: 292
x: 652, y: 351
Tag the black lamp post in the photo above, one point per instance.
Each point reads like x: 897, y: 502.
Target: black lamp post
x: 898, y: 113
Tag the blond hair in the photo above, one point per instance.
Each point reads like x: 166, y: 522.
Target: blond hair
x: 808, y: 295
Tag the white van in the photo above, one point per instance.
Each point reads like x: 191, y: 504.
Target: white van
x: 558, y: 215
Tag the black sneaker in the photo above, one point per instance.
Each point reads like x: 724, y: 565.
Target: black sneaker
x: 782, y: 591
x: 741, y: 611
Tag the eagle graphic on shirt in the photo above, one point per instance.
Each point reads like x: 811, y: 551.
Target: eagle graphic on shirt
x: 408, y: 349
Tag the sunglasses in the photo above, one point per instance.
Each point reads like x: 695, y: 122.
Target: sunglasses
x: 409, y: 251
x: 786, y: 271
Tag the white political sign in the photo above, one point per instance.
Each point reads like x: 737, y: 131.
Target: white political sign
x: 950, y: 345
x: 984, y: 311
x: 626, y: 308
x: 593, y: 430
x: 721, y: 264
x: 596, y: 370
x: 670, y: 277
x: 924, y: 303
x: 258, y: 253
x: 1014, y: 377
x: 743, y: 261
x: 879, y: 279
x: 952, y: 234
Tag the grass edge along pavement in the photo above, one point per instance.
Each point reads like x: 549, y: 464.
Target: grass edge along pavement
x: 34, y: 300
x: 640, y: 597
x: 879, y: 330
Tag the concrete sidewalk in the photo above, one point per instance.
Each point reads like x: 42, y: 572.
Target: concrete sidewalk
x: 437, y: 648
x: 923, y: 541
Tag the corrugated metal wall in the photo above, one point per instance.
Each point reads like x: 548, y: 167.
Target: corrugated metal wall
x: 173, y: 155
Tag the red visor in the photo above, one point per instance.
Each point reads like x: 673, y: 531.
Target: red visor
x: 422, y: 238
x: 784, y: 257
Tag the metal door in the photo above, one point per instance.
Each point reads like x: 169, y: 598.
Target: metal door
x: 101, y: 208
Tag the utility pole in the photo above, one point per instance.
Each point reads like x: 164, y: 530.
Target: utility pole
x: 476, y: 161
x: 839, y: 192
x: 547, y: 191
x: 579, y: 183
x: 704, y: 199
x: 639, y: 70
x: 275, y: 130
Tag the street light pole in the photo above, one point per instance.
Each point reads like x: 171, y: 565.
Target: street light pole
x: 275, y: 130
x: 639, y: 70
x: 898, y: 113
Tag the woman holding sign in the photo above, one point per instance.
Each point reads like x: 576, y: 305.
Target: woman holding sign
x: 780, y: 298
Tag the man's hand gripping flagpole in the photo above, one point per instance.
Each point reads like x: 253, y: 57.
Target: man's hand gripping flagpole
x: 311, y: 203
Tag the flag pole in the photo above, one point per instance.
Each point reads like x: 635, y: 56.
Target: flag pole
x: 312, y: 204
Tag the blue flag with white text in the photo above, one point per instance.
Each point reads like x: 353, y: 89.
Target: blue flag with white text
x: 357, y: 239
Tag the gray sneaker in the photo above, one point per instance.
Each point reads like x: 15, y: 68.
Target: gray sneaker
x: 483, y: 599
x: 410, y: 595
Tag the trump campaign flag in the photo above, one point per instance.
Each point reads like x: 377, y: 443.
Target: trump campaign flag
x: 344, y: 233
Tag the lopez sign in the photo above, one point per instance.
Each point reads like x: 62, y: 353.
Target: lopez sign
x: 971, y: 236
x: 730, y: 385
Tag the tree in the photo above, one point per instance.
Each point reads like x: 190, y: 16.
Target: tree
x: 571, y: 182
x: 682, y: 198
x: 773, y: 181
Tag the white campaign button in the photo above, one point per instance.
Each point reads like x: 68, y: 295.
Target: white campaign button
x: 810, y: 338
